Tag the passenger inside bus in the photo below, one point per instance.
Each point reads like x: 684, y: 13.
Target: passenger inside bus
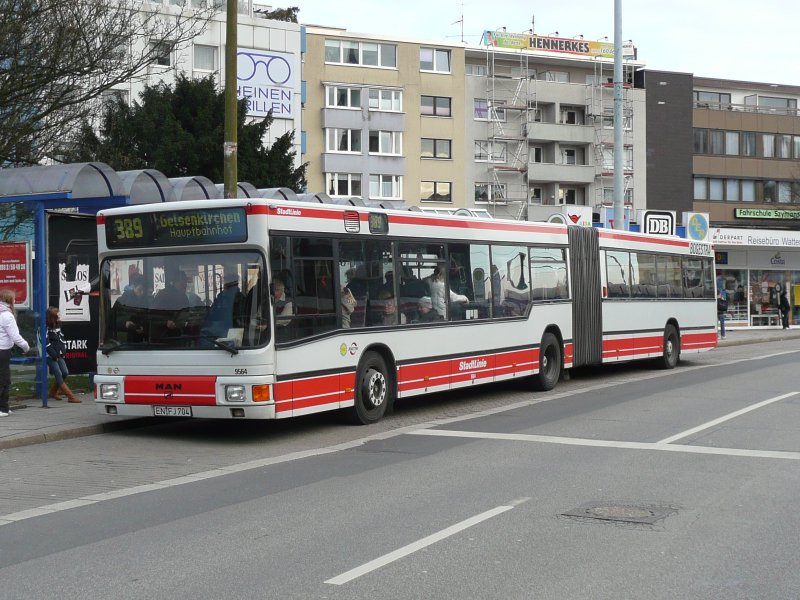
x: 284, y: 308
x: 388, y: 310
x: 426, y: 312
x: 227, y: 310
x: 437, y: 286
x: 173, y: 303
x: 128, y: 312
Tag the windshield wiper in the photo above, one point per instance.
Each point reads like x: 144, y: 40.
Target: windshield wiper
x: 220, y: 344
x: 114, y: 345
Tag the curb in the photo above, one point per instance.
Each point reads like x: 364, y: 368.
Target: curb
x: 76, y: 432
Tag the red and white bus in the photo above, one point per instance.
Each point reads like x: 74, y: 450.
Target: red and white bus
x: 260, y: 309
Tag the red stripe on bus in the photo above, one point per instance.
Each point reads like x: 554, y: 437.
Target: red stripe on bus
x: 626, y: 237
x: 189, y: 390
x: 255, y: 209
x: 313, y: 391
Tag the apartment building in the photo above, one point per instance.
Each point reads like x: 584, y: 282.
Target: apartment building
x: 384, y: 118
x: 541, y: 122
x: 269, y: 60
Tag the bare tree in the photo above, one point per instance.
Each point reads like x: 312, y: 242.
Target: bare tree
x: 57, y: 57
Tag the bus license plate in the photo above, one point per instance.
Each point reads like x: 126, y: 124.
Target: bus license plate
x: 172, y: 411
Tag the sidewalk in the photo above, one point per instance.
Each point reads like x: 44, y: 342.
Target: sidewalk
x: 32, y: 424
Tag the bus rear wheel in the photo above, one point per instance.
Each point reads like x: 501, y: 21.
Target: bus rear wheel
x: 672, y: 348
x: 549, y: 364
x: 374, y: 391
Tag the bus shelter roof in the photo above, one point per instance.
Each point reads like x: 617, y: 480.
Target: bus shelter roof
x: 244, y: 190
x: 146, y: 186
x: 278, y: 193
x: 61, y: 185
x: 194, y: 188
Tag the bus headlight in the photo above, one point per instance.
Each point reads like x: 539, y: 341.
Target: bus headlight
x: 234, y: 393
x: 109, y: 392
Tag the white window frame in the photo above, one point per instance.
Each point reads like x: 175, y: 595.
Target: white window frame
x: 377, y: 183
x: 392, y: 139
x: 494, y: 192
x: 377, y: 100
x: 332, y: 96
x: 213, y: 50
x: 437, y: 54
x: 383, y: 58
x: 332, y: 179
x: 169, y: 48
x: 333, y: 134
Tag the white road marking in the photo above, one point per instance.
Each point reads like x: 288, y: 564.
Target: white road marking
x: 727, y: 417
x: 416, y: 429
x: 546, y: 439
x: 384, y: 560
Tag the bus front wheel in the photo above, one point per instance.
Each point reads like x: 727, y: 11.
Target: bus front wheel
x: 549, y: 364
x: 374, y: 390
x: 672, y: 348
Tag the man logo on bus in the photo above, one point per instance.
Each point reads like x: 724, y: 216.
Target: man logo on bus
x: 659, y: 222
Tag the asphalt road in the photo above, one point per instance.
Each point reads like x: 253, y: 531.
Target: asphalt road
x: 623, y: 483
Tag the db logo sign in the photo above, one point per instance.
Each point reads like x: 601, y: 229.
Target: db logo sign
x: 659, y: 222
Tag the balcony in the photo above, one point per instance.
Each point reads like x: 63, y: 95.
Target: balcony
x: 558, y: 132
x: 558, y: 173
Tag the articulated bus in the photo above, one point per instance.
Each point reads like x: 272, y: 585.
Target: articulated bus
x: 260, y: 309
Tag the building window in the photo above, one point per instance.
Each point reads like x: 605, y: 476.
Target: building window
x: 569, y: 156
x: 386, y: 100
x: 435, y: 191
x: 748, y: 143
x: 748, y: 190
x: 434, y: 59
x: 559, y: 76
x: 700, y: 188
x: 712, y: 99
x: 768, y: 145
x: 343, y: 184
x: 351, y: 52
x: 732, y: 143
x: 567, y: 196
x: 386, y: 186
x: 717, y: 141
x: 343, y: 97
x: 476, y: 70
x: 437, y: 106
x: 784, y: 192
x: 770, y: 191
x: 162, y: 53
x: 536, y: 194
x: 343, y: 140
x: 797, y: 147
x: 386, y: 142
x: 481, y: 110
x: 432, y: 148
x: 536, y: 154
x: 784, y: 146
x: 205, y: 58
x: 113, y: 97
x: 732, y: 190
x: 700, y: 141
x: 490, y: 192
x: 491, y: 151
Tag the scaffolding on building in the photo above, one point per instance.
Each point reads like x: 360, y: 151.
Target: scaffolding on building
x: 510, y: 102
x: 600, y: 110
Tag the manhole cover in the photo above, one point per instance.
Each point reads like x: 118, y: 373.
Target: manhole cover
x: 621, y: 513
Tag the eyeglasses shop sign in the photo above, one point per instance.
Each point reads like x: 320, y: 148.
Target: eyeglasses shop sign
x: 266, y: 79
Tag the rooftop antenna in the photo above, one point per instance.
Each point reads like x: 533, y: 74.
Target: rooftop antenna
x: 461, y: 20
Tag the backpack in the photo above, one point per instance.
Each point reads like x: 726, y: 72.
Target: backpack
x: 722, y: 305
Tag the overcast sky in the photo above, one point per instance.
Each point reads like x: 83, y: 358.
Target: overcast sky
x: 753, y: 40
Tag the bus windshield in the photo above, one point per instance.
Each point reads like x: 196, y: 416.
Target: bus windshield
x: 201, y: 301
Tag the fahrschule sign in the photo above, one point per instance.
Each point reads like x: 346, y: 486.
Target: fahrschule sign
x: 766, y: 213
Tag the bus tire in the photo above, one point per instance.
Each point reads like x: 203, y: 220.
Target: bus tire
x: 374, y: 390
x: 672, y: 348
x: 549, y: 364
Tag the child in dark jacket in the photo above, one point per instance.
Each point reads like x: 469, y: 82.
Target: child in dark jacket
x: 56, y: 349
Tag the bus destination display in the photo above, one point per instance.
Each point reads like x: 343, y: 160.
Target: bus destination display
x: 177, y: 228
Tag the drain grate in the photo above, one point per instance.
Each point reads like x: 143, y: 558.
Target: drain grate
x: 637, y: 514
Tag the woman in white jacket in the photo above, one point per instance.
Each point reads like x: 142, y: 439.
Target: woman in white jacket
x: 9, y: 335
x: 437, y: 290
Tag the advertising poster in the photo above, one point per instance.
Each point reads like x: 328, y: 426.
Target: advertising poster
x: 15, y: 271
x: 73, y: 299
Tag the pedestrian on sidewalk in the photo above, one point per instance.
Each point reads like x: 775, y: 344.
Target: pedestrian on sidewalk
x: 783, y: 305
x: 56, y: 353
x: 9, y: 336
x: 722, y: 308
